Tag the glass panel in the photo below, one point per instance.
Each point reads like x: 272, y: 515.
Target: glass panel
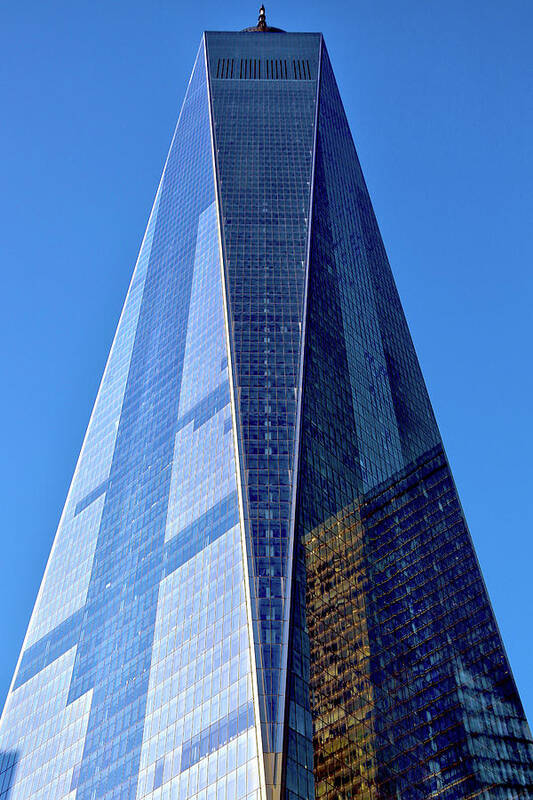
x: 264, y: 114
x: 136, y: 676
x: 410, y: 691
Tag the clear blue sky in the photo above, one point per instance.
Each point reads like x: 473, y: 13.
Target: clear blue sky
x: 440, y: 99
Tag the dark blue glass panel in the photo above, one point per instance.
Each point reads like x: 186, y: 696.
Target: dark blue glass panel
x: 411, y: 693
x: 207, y: 407
x: 263, y: 98
x: 8, y: 766
x: 86, y: 501
x: 217, y: 735
x: 203, y: 531
x: 50, y: 647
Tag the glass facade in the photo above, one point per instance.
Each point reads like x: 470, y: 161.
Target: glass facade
x: 136, y: 674
x: 402, y: 670
x: 262, y: 584
x: 264, y: 133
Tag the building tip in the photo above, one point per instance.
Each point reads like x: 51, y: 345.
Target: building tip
x: 261, y: 22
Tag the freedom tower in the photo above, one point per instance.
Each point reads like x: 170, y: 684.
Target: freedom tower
x: 262, y: 585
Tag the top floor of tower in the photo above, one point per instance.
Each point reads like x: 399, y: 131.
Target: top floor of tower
x: 263, y: 52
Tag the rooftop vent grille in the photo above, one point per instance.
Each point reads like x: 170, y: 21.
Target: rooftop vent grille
x: 275, y: 69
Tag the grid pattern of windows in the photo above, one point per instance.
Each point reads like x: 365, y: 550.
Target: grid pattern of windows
x: 136, y: 674
x: 412, y: 695
x: 395, y: 652
x: 264, y: 135
x: 379, y: 670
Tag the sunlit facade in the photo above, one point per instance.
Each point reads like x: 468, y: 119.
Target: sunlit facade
x: 262, y: 584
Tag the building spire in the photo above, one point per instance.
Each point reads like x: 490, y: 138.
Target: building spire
x: 262, y: 26
x: 261, y: 22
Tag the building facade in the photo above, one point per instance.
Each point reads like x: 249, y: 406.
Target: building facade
x: 262, y: 584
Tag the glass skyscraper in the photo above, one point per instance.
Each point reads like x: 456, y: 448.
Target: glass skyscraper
x: 262, y: 584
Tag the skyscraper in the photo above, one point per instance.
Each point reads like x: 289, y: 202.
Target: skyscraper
x: 262, y: 584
